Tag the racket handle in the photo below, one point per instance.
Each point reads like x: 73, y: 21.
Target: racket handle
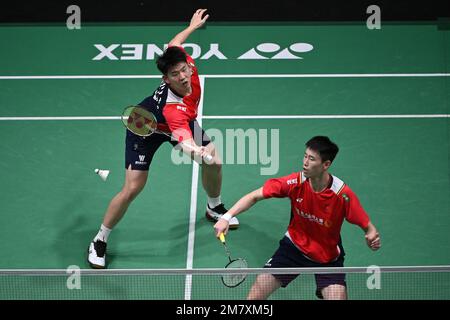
x: 222, y: 237
x: 208, y: 159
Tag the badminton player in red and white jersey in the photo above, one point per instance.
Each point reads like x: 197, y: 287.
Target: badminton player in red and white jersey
x: 174, y: 104
x: 320, y: 202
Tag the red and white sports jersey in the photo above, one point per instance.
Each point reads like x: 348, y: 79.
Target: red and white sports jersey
x: 179, y: 111
x: 317, y: 217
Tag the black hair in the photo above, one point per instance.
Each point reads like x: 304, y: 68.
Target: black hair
x: 171, y: 57
x: 324, y: 146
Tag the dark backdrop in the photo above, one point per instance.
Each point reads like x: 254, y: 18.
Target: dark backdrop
x: 222, y: 10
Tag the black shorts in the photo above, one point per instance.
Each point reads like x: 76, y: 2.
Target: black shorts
x: 139, y: 151
x: 289, y: 256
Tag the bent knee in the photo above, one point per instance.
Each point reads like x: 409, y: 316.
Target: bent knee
x: 130, y: 191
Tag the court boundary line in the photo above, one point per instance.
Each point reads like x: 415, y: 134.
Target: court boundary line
x: 330, y: 116
x: 245, y: 117
x: 233, y: 76
x: 193, y: 207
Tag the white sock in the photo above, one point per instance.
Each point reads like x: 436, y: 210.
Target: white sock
x: 103, y: 234
x: 214, y: 202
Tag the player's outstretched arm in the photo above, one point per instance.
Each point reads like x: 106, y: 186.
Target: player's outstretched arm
x: 245, y: 203
x: 372, y: 237
x: 196, y: 22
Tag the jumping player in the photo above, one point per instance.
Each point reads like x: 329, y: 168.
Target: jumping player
x: 174, y: 104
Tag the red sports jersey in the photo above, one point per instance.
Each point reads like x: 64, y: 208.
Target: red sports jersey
x: 179, y: 111
x: 317, y: 217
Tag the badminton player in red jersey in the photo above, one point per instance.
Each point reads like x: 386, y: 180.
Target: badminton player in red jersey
x: 319, y: 204
x: 174, y: 104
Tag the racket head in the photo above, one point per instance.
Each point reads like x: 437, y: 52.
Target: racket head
x: 232, y: 280
x: 139, y: 120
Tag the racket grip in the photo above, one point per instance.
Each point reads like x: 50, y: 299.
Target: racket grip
x: 222, y: 237
x: 208, y: 159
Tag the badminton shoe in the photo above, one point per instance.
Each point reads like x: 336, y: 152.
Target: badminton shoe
x: 214, y: 214
x: 97, y: 254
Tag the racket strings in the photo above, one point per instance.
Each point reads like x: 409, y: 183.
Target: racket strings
x: 234, y: 279
x: 139, y: 120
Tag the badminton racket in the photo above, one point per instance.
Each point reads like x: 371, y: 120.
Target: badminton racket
x: 143, y: 123
x: 232, y: 280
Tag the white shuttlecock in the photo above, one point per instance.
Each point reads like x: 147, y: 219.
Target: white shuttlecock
x: 102, y: 173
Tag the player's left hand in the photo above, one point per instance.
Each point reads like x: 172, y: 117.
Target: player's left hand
x: 197, y: 21
x: 373, y: 240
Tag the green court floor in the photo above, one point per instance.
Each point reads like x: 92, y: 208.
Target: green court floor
x: 395, y: 156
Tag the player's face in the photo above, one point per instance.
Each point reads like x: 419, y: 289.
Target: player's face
x: 313, y: 165
x: 179, y: 78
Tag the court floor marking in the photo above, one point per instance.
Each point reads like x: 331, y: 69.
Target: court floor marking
x: 195, y: 168
x: 332, y: 116
x: 244, y: 117
x: 193, y: 209
x: 233, y: 76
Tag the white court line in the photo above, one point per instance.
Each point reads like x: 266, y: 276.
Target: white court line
x: 330, y: 75
x: 59, y: 118
x: 277, y: 117
x: 193, y: 210
x: 330, y: 116
x: 310, y: 75
x: 75, y: 77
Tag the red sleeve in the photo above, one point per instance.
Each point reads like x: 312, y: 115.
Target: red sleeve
x: 354, y: 212
x: 280, y: 187
x: 178, y: 122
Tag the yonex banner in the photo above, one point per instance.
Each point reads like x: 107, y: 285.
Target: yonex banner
x: 224, y: 49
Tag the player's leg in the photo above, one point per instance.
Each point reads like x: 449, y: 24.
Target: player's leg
x: 265, y: 284
x: 212, y: 173
x: 334, y: 292
x: 332, y: 286
x: 286, y: 256
x: 134, y: 183
x: 211, y: 177
x: 138, y: 156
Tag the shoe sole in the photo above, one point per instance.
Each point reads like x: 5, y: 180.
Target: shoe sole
x: 208, y: 217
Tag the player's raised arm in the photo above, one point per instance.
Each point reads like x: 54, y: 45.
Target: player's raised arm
x: 245, y: 203
x: 196, y: 22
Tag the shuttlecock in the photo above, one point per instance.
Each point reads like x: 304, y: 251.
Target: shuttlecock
x: 102, y: 173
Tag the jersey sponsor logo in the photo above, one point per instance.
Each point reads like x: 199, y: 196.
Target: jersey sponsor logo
x: 291, y: 181
x: 150, y: 51
x: 313, y: 218
x: 181, y: 108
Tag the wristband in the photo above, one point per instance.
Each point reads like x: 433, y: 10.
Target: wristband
x: 227, y: 217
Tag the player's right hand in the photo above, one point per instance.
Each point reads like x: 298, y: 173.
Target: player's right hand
x: 373, y: 240
x: 221, y: 226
